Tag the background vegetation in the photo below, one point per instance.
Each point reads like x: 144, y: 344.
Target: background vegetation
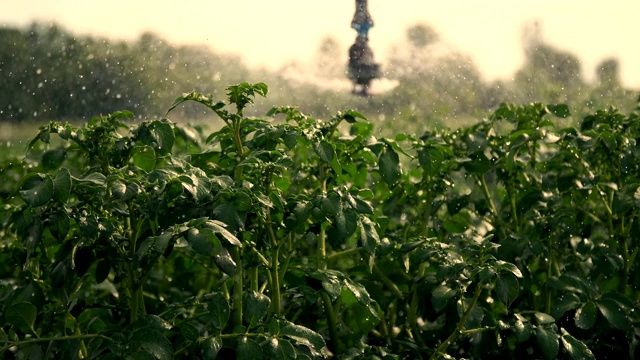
x: 276, y: 234
x: 48, y: 73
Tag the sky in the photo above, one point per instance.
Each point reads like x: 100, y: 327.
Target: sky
x: 271, y: 33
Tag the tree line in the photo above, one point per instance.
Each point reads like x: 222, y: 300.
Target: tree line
x: 48, y: 73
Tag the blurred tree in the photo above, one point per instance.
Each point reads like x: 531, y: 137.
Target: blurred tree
x: 608, y: 90
x: 608, y: 73
x: 549, y: 74
x: 435, y: 82
x: 420, y: 36
x: 330, y: 61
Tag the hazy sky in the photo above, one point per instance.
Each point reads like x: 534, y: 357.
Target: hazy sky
x: 273, y: 32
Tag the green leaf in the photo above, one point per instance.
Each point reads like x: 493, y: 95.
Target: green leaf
x: 331, y: 281
x: 248, y: 349
x: 614, y: 313
x: 331, y: 205
x: 225, y: 262
x: 522, y: 328
x: 36, y: 189
x: 255, y: 307
x: 430, y: 159
x: 389, y: 166
x: 507, y: 288
x: 220, y: 228
x: 586, y: 316
x: 144, y: 157
x: 325, y: 151
x: 206, y: 100
x: 204, y: 241
x: 62, y: 186
x: 565, y: 303
x: 124, y: 192
x: 22, y: 315
x: 210, y: 347
x: 548, y: 341
x: 219, y: 310
x: 53, y: 159
x: 158, y: 134
x: 303, y: 336
x: 279, y: 349
x: 559, y: 110
x: 543, y: 318
x: 154, y: 343
x: 362, y: 311
x: 576, y: 349
x: 478, y: 164
x: 512, y: 268
x: 440, y: 297
x: 123, y: 114
x: 369, y: 235
x: 189, y: 331
x: 94, y: 178
x: 609, y: 140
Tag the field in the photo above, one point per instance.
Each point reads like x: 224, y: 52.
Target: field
x: 284, y: 236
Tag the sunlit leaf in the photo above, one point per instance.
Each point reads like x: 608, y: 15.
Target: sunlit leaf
x: 144, y: 157
x: 586, y: 315
x: 576, y: 349
x: 302, y: 335
x: 210, y: 347
x: 248, y: 349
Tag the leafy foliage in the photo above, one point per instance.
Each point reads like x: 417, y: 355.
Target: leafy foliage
x: 291, y: 237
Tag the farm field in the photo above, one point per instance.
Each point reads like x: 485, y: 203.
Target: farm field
x: 282, y: 236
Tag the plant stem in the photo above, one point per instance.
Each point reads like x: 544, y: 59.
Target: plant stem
x: 238, y: 286
x: 334, y: 346
x: 385, y: 280
x: 441, y: 350
x: 10, y: 344
x: 322, y: 249
x: 347, y: 252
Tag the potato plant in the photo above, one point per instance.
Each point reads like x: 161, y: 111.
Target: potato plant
x: 290, y: 237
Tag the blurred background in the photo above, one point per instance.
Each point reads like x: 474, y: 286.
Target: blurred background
x: 444, y: 63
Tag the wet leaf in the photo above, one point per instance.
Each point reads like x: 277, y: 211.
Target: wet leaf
x: 255, y: 307
x: 144, y: 157
x: 210, y: 347
x: 548, y: 341
x: 614, y: 313
x: 325, y: 151
x: 389, y: 166
x: 248, y: 349
x: 22, y: 315
x: 576, y: 349
x: 62, y: 186
x: 36, y: 189
x: 586, y: 315
x: 219, y: 310
x: 508, y: 288
x: 441, y: 296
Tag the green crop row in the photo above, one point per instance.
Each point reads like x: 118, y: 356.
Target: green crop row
x: 289, y: 237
